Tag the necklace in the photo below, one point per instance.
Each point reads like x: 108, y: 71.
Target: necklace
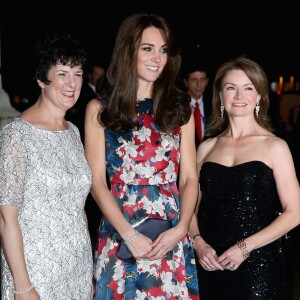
x: 143, y: 99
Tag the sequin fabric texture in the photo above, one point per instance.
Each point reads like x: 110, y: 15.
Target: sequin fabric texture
x: 46, y: 175
x: 143, y: 166
x: 236, y: 202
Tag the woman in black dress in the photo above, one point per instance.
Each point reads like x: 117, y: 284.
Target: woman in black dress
x: 243, y: 170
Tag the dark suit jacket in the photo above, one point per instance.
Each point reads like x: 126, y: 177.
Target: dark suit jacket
x: 207, y: 113
x: 76, y: 114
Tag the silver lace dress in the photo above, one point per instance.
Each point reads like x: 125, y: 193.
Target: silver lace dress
x: 46, y: 175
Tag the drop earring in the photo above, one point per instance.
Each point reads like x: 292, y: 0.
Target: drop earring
x: 222, y: 110
x: 257, y: 107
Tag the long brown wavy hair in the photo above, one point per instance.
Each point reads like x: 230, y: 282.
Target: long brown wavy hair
x: 171, y: 105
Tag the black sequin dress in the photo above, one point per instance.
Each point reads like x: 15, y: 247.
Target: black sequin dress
x: 237, y: 202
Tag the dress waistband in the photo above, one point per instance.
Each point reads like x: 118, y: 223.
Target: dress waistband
x: 141, y: 181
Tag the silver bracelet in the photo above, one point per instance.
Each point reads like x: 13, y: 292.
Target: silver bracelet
x: 132, y: 238
x: 24, y: 291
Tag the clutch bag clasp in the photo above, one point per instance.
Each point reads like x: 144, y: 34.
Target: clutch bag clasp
x: 140, y: 221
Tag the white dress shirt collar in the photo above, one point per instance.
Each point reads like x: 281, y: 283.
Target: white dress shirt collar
x: 92, y: 87
x: 200, y: 102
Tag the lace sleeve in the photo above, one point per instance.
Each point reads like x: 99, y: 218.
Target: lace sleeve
x: 12, y: 166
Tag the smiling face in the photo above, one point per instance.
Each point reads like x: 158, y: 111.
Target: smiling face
x: 152, y: 55
x: 238, y: 94
x: 64, y: 88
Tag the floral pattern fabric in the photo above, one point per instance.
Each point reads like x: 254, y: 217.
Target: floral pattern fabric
x: 142, y: 166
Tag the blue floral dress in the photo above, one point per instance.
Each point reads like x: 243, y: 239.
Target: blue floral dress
x: 143, y: 167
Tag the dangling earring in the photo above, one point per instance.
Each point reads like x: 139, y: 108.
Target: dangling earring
x: 222, y: 110
x: 257, y: 107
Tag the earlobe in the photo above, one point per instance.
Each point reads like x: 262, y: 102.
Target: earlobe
x: 41, y: 84
x: 185, y: 82
x: 258, y: 99
x: 220, y: 95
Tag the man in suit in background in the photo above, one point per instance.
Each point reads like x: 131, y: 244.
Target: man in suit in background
x: 90, y: 90
x: 195, y: 79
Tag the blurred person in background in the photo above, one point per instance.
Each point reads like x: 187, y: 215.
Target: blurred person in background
x: 195, y: 78
x: 91, y: 88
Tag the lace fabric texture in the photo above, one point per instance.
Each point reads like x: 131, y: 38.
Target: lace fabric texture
x: 46, y: 175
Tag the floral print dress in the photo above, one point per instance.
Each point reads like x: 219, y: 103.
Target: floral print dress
x: 143, y: 167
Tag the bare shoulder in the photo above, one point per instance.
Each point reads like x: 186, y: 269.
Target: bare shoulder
x: 277, y: 145
x: 277, y: 153
x: 205, y: 147
x: 93, y: 105
x: 207, y: 144
x: 92, y: 113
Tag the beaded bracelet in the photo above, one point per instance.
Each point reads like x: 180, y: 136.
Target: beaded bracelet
x: 24, y: 291
x: 242, y: 245
x: 132, y: 238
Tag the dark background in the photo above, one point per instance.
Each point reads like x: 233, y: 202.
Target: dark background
x: 266, y: 31
x: 218, y: 30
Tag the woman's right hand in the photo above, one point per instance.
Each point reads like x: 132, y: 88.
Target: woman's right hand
x: 207, y: 256
x: 140, y: 246
x: 92, y: 292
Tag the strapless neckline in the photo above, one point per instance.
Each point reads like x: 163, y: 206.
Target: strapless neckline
x: 238, y: 165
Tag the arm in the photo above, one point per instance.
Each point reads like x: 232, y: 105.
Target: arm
x: 13, y: 165
x: 193, y: 228
x: 289, y: 194
x: 206, y: 255
x: 188, y: 189
x: 188, y: 179
x: 95, y: 153
x: 12, y: 244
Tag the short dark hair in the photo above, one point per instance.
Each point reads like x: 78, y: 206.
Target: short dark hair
x: 57, y: 48
x: 189, y: 67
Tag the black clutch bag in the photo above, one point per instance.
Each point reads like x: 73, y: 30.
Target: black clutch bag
x: 149, y: 227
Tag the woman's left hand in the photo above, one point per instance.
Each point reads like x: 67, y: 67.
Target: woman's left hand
x: 164, y: 243
x: 232, y: 258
